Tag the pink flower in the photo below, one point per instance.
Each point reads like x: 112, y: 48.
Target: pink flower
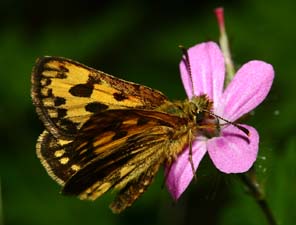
x: 233, y: 151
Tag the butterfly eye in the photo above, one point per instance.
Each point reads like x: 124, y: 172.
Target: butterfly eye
x: 200, y: 117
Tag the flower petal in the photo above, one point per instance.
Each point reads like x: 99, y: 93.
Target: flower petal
x: 208, y: 71
x: 248, y: 89
x: 180, y: 173
x: 233, y: 151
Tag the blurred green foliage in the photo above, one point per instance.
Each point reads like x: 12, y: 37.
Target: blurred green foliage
x: 137, y: 41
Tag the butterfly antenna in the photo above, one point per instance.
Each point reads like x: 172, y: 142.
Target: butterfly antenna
x: 243, y: 129
x: 187, y: 65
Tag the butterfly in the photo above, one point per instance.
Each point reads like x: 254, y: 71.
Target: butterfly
x: 103, y: 133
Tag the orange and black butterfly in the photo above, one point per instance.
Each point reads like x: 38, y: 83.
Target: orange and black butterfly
x: 105, y: 133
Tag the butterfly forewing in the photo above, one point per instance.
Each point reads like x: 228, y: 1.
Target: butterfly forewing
x: 66, y: 93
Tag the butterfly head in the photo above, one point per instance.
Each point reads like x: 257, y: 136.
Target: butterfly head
x: 200, y: 110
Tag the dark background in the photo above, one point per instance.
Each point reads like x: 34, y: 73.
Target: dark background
x: 137, y: 41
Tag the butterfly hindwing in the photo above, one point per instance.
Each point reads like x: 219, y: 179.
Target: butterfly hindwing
x: 55, y: 155
x: 67, y: 93
x: 134, y: 189
x: 121, y: 149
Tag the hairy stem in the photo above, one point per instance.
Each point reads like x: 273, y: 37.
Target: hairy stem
x: 224, y: 44
x: 250, y: 181
x: 249, y: 178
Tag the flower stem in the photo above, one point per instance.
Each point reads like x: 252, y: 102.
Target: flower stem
x: 224, y: 44
x: 255, y: 189
x: 248, y: 178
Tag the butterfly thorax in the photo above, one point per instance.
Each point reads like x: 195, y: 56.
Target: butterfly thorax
x: 197, y: 112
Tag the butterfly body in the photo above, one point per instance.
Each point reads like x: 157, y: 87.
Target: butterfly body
x: 105, y: 133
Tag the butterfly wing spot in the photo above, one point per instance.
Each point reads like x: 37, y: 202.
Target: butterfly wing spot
x: 46, y: 92
x: 95, y: 107
x: 63, y: 69
x: 45, y: 81
x: 82, y: 90
x: 125, y: 170
x: 129, y: 122
x: 75, y: 167
x: 89, y: 194
x: 120, y: 96
x: 64, y: 160
x: 69, y: 125
x: 62, y: 142
x: 48, y: 73
x: 58, y: 101
x: 103, y: 140
x: 59, y: 153
x: 61, y: 113
x: 53, y: 114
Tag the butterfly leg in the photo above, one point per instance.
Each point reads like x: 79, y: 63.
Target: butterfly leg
x: 190, y: 139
